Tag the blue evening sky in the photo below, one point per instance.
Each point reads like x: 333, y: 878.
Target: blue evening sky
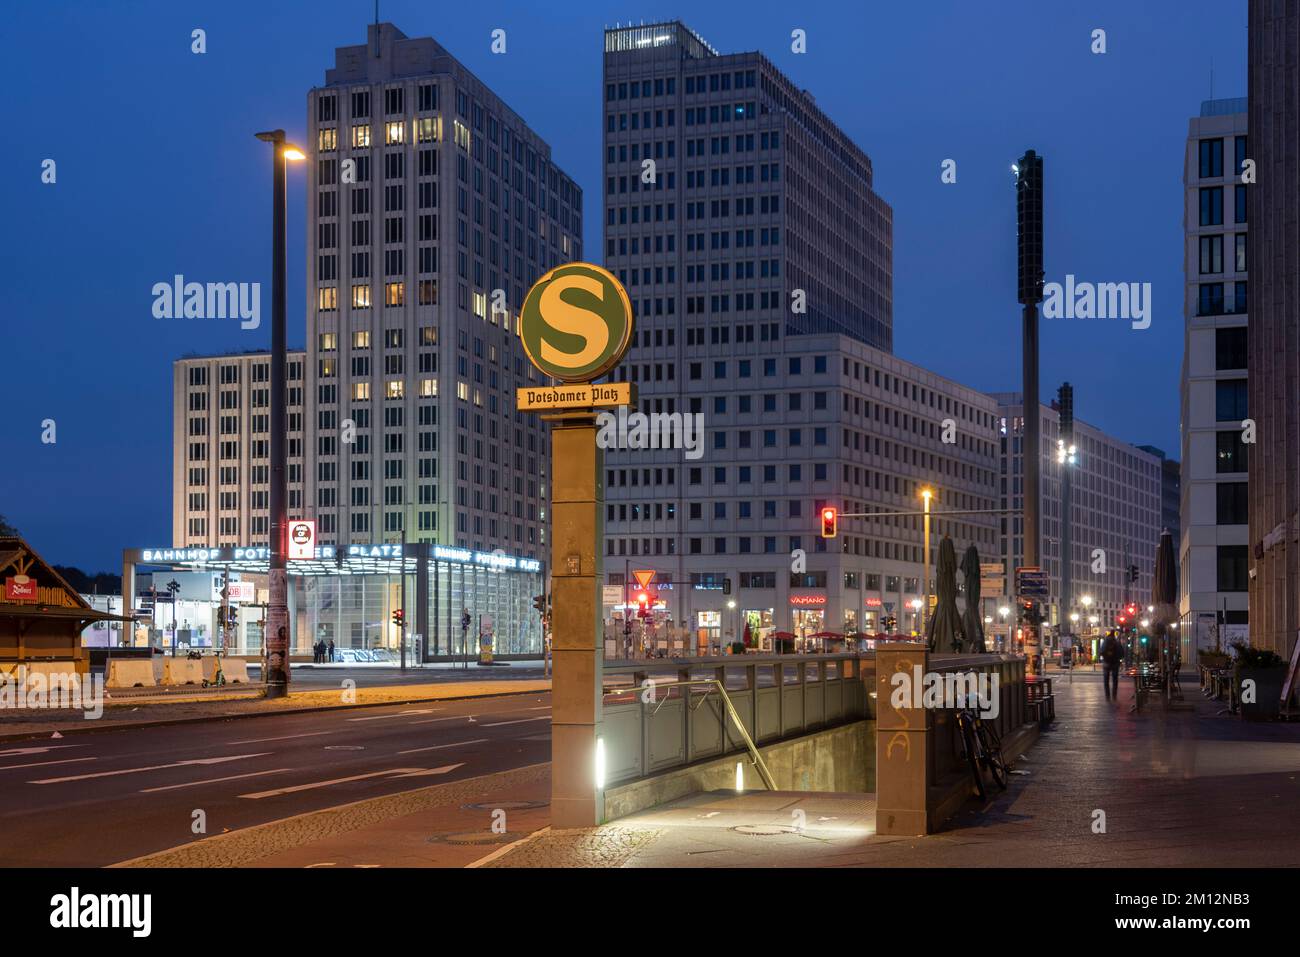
x: 158, y: 173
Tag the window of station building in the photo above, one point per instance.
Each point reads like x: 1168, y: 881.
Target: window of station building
x: 1231, y: 503
x: 1230, y: 400
x: 1211, y: 158
x: 1211, y: 254
x: 1211, y: 198
x: 1230, y: 348
x: 1230, y: 452
x: 1232, y: 567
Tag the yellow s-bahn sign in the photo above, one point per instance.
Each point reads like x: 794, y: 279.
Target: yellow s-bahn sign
x: 576, y: 322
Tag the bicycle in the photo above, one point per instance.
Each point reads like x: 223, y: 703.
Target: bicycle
x: 982, y: 749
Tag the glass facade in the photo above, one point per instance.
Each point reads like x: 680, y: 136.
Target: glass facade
x: 454, y: 599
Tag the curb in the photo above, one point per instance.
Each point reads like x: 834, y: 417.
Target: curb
x: 503, y: 851
x: 97, y: 728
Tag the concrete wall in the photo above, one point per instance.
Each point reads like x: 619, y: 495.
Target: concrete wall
x: 838, y: 759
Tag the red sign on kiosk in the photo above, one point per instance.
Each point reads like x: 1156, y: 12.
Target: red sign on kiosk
x: 20, y: 588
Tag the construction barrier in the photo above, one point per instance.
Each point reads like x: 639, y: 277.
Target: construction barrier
x: 182, y: 671
x: 131, y: 673
x: 234, y: 669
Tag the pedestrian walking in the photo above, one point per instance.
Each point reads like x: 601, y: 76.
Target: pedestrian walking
x: 1111, y: 656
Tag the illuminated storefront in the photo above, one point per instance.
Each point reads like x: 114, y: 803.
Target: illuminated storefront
x: 348, y: 595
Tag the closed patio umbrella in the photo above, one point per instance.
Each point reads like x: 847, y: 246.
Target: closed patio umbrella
x: 943, y: 631
x: 970, y: 619
x: 1164, y: 597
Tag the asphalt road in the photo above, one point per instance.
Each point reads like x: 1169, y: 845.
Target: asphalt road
x: 96, y: 799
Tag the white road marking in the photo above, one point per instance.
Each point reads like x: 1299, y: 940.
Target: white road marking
x: 377, y: 717
x: 282, y: 737
x: 497, y: 724
x: 453, y: 717
x: 438, y: 747
x: 400, y: 772
x: 545, y: 707
x: 12, y: 752
x: 426, y: 772
x: 41, y: 764
x: 154, y: 767
x: 232, y: 777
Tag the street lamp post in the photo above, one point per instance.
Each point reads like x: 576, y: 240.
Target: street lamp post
x: 926, y: 494
x: 277, y: 614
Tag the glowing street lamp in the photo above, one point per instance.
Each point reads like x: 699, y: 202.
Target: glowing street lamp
x: 927, y: 493
x: 277, y: 611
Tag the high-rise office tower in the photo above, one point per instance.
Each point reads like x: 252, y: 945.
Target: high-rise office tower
x: 758, y: 258
x: 730, y: 195
x: 432, y: 207
x: 1271, y: 563
x: 1213, y: 548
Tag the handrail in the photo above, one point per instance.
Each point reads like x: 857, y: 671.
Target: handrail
x: 725, y: 661
x: 731, y: 710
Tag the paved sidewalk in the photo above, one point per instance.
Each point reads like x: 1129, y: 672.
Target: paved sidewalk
x: 1176, y: 789
x: 15, y: 725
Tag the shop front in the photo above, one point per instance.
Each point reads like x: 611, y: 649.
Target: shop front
x: 808, y: 618
x: 756, y: 627
x: 450, y: 600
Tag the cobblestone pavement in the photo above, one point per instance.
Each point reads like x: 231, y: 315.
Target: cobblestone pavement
x: 609, y: 846
x: 279, y: 842
x: 30, y: 723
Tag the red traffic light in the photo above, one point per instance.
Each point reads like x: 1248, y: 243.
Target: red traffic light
x: 830, y: 521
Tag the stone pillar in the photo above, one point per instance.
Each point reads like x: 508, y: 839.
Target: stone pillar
x: 577, y: 535
x: 902, y: 742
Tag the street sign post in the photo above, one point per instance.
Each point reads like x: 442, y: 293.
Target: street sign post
x: 575, y: 325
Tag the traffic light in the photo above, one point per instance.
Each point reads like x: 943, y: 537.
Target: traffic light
x: 830, y: 522
x: 643, y: 604
x: 539, y: 604
x: 398, y: 617
x: 1132, y: 573
x: 1131, y: 610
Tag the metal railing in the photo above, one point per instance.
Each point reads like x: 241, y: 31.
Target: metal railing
x: 1012, y: 710
x: 662, y: 714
